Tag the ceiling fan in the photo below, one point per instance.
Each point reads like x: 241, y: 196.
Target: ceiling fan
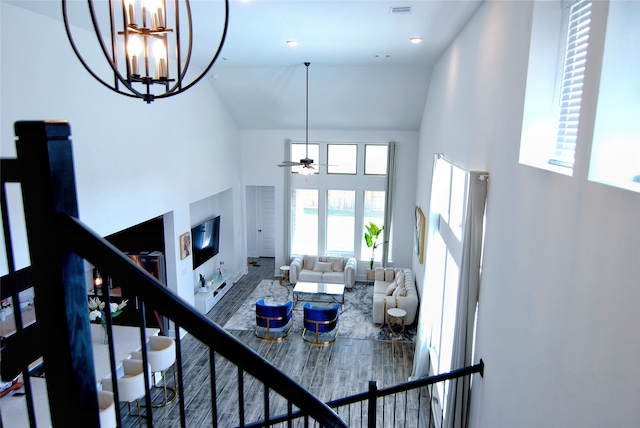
x: 306, y: 163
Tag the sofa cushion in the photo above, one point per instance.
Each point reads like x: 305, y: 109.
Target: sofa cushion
x: 337, y: 263
x: 333, y: 277
x: 309, y: 262
x: 380, y: 287
x: 323, y: 267
x: 310, y: 276
x: 389, y: 274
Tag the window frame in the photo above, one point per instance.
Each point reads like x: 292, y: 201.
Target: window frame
x: 322, y: 181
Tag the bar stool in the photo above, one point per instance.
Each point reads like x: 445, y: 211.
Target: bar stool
x: 130, y: 386
x: 161, y: 354
x: 107, y: 409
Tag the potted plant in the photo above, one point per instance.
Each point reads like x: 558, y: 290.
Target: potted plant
x: 371, y: 237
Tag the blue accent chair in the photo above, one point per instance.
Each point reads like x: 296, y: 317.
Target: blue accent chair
x: 273, y: 322
x: 320, y: 324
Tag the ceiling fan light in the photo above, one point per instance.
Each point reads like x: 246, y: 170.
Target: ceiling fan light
x: 306, y: 170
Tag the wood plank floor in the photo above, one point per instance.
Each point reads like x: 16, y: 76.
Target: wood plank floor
x: 330, y: 372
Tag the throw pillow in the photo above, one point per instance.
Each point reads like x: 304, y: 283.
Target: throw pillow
x: 309, y: 262
x: 403, y: 292
x: 391, y: 288
x: 322, y: 267
x: 388, y: 274
x: 400, y: 278
x: 397, y: 292
x: 336, y: 264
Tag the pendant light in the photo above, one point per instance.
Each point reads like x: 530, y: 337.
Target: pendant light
x: 147, y: 54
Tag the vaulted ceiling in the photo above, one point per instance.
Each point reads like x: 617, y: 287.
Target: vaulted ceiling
x: 364, y: 73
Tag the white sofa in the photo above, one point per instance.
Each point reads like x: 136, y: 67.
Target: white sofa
x: 404, y: 295
x: 335, y: 270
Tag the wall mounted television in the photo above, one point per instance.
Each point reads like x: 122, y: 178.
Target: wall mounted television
x: 205, y: 239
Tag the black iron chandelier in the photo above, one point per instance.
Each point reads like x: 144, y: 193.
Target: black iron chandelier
x: 147, y: 54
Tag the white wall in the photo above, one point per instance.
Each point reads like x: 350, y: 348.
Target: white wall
x: 133, y: 161
x: 262, y: 151
x: 558, y: 317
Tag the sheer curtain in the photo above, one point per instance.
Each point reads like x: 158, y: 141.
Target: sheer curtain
x: 468, y: 289
x: 450, y: 287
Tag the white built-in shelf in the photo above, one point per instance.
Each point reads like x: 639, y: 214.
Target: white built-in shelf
x: 206, y: 300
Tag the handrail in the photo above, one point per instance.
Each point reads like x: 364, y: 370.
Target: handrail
x: 113, y: 263
x: 383, y: 392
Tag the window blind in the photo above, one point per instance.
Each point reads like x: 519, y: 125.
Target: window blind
x: 575, y: 60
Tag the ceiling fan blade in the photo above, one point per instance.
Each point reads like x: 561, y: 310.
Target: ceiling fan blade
x: 289, y: 163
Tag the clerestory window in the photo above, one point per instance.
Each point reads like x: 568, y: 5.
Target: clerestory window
x: 557, y: 63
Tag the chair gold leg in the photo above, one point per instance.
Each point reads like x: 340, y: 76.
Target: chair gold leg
x: 167, y: 388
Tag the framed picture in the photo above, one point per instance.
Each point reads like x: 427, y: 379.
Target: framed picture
x: 185, y: 245
x: 420, y: 226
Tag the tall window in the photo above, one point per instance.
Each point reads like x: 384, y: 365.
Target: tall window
x: 373, y: 212
x: 341, y: 215
x: 575, y: 61
x: 304, y: 221
x: 446, y: 324
x: 330, y: 208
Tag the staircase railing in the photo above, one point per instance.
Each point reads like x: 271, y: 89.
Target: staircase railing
x: 409, y: 404
x: 60, y: 337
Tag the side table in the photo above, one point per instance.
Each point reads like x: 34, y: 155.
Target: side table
x: 284, y: 274
x: 396, y: 319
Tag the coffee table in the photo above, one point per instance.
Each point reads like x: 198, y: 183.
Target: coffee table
x: 312, y: 291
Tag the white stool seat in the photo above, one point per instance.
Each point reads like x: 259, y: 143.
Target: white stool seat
x: 130, y: 386
x: 161, y: 354
x: 107, y: 409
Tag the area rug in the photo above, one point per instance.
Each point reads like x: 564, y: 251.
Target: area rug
x: 354, y: 321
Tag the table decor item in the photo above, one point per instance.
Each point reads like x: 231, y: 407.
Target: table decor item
x: 5, y: 304
x: 96, y: 313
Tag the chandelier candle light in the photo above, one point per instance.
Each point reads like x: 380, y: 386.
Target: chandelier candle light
x: 143, y: 37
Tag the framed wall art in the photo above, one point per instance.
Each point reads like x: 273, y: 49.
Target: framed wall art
x: 185, y: 245
x: 420, y: 226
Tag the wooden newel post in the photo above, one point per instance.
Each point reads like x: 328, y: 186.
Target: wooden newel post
x: 49, y: 191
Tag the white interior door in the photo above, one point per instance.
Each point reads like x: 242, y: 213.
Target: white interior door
x: 266, y: 220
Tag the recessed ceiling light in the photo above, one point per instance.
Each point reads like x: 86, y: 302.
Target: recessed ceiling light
x: 292, y: 43
x: 383, y: 55
x: 415, y: 40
